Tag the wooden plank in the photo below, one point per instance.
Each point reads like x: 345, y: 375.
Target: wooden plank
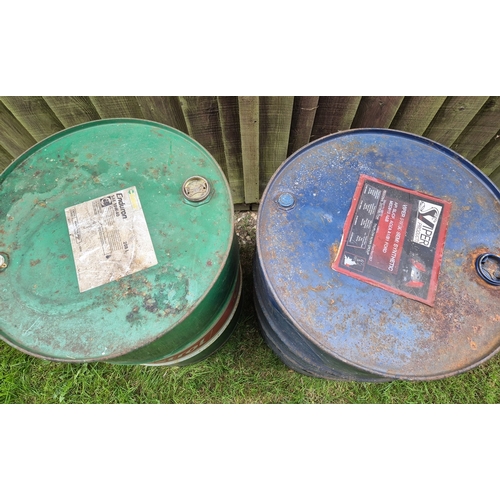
x: 231, y: 138
x: 14, y: 138
x: 482, y: 128
x: 334, y: 114
x: 304, y: 112
x: 376, y: 111
x: 452, y: 118
x: 202, y: 120
x: 495, y: 176
x: 166, y: 109
x: 249, y: 128
x: 35, y: 115
x: 72, y: 110
x: 117, y: 106
x: 242, y: 207
x: 416, y: 113
x: 488, y: 159
x: 5, y: 159
x: 275, y: 118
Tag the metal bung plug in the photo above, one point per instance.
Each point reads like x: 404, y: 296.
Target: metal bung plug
x: 4, y: 261
x: 286, y: 201
x: 488, y: 267
x: 196, y: 188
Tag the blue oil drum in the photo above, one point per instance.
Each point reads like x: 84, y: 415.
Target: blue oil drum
x: 378, y: 259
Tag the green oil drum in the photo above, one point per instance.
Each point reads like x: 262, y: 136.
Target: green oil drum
x: 117, y: 244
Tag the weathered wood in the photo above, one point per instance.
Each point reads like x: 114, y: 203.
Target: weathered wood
x: 14, y: 138
x: 117, y: 106
x: 452, y: 118
x: 482, y: 128
x: 72, y: 110
x: 35, y: 115
x: 376, y: 111
x: 249, y: 128
x: 495, y: 176
x: 203, y: 125
x: 166, y: 109
x: 5, y: 159
x: 334, y: 114
x: 416, y: 113
x: 304, y: 112
x: 242, y: 207
x: 231, y: 138
x: 488, y: 159
x: 275, y: 118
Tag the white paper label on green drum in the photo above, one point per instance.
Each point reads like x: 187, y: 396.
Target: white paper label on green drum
x: 110, y: 238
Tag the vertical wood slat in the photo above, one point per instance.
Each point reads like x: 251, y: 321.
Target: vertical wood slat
x: 203, y: 125
x: 5, y: 159
x: 14, y: 138
x: 376, y: 111
x: 416, y: 113
x: 164, y: 109
x: 249, y: 129
x: 35, y: 115
x: 117, y: 106
x: 488, y: 159
x: 482, y: 128
x: 304, y: 112
x: 72, y: 110
x: 231, y: 138
x: 275, y: 118
x: 452, y: 118
x: 334, y: 114
x: 469, y: 125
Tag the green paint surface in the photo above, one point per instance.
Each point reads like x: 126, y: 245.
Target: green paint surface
x: 138, y: 318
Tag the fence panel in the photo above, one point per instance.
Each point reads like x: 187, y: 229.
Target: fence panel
x: 452, y: 118
x: 165, y: 110
x: 376, y: 112
x: 203, y: 124
x: 275, y: 119
x: 481, y: 129
x: 72, y: 111
x: 250, y: 136
x: 304, y: 112
x: 416, y: 113
x: 5, y: 159
x: 334, y: 114
x: 14, y: 138
x: 35, y: 115
x: 117, y: 107
x: 249, y: 130
x: 231, y: 138
x: 488, y: 159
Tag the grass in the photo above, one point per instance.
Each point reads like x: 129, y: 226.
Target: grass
x: 244, y: 371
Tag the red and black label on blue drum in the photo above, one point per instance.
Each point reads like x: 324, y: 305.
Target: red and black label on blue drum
x: 394, y: 238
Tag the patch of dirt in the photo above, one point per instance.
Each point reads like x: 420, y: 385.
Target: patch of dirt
x: 245, y: 225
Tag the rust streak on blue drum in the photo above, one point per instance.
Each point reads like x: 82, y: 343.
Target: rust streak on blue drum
x: 326, y: 324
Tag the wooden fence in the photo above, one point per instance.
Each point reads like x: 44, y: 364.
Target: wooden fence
x: 250, y: 136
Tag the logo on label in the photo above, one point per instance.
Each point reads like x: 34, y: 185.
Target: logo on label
x: 105, y: 202
x: 352, y: 261
x: 426, y: 222
x: 121, y: 205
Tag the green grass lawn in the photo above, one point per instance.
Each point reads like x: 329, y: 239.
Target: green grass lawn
x: 245, y: 370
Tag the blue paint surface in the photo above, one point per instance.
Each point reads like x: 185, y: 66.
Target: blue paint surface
x: 365, y: 327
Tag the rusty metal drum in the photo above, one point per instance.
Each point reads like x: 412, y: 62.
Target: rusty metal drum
x: 378, y: 259
x: 117, y: 244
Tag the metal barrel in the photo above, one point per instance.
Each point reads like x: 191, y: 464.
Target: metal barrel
x: 377, y: 259
x: 117, y: 244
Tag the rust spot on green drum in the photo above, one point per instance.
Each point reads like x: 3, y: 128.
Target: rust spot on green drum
x: 167, y: 306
